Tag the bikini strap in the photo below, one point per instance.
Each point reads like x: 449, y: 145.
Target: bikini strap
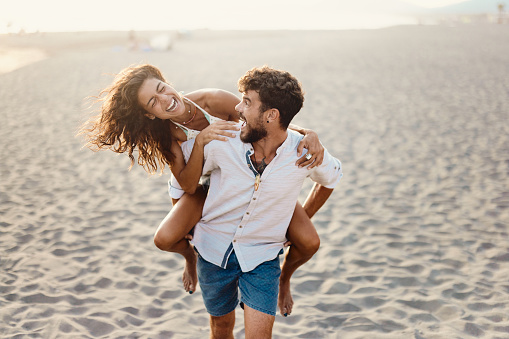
x: 187, y: 130
x: 205, y: 113
x: 182, y: 127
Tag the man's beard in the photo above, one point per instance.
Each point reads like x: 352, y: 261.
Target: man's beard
x: 254, y: 133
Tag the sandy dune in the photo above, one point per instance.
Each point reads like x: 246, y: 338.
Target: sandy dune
x: 414, y: 241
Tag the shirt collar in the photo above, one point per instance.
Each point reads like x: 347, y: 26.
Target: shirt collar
x: 248, y: 147
x: 285, y: 143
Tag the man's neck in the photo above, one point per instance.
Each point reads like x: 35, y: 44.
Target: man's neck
x: 267, y: 147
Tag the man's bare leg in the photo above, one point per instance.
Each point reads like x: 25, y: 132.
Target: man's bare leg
x: 258, y: 324
x: 305, y: 242
x: 170, y: 235
x: 222, y: 327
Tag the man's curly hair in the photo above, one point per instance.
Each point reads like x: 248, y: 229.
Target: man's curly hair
x: 277, y: 89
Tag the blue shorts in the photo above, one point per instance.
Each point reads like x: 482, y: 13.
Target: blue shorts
x: 258, y: 288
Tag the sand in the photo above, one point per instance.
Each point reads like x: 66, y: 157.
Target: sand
x: 414, y: 241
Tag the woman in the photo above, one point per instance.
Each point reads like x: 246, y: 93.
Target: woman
x: 141, y: 111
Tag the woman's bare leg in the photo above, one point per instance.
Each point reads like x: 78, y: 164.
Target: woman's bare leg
x: 305, y: 242
x: 170, y: 235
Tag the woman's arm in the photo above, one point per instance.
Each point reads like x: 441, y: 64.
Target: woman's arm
x: 218, y: 102
x: 179, y: 165
x: 188, y: 174
x: 312, y: 144
x: 221, y: 104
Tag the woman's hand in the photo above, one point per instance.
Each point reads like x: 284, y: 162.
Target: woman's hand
x: 315, y: 149
x: 217, y: 131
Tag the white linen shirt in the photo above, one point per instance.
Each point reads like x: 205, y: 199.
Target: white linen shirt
x: 238, y: 217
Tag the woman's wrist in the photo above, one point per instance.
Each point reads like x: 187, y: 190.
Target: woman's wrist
x: 198, y: 141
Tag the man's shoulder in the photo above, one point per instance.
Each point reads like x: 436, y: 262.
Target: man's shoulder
x: 230, y: 144
x: 294, y: 135
x: 294, y: 139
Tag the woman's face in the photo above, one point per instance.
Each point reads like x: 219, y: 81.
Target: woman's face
x: 160, y: 100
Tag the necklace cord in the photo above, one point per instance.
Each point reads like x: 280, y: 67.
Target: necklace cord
x: 192, y: 118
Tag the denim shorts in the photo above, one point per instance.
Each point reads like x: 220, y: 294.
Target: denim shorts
x: 258, y: 288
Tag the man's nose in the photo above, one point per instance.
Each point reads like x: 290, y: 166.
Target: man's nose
x: 237, y: 108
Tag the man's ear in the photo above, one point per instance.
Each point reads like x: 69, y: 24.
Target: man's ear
x: 150, y: 116
x: 273, y: 114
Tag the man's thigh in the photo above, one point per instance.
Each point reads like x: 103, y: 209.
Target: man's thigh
x: 219, y: 287
x: 259, y: 288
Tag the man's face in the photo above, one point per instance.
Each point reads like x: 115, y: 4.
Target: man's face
x: 253, y: 128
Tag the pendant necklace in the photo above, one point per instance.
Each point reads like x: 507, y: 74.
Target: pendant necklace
x: 185, y: 123
x: 259, y: 168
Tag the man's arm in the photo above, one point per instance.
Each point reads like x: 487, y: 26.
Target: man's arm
x: 316, y: 198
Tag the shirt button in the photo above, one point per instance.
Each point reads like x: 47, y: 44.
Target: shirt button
x: 234, y: 240
x: 247, y: 212
x: 254, y: 198
x: 240, y: 226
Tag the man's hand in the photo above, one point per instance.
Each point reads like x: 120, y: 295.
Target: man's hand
x: 315, y: 150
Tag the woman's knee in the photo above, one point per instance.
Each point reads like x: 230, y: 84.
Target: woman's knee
x: 307, y: 246
x: 164, y: 240
x: 311, y: 245
x: 159, y: 241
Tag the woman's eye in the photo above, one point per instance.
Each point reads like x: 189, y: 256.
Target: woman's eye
x: 161, y: 90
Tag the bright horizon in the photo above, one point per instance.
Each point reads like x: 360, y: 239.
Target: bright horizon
x: 117, y: 15
x: 433, y: 3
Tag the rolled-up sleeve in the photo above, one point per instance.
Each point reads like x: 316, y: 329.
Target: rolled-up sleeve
x: 329, y: 173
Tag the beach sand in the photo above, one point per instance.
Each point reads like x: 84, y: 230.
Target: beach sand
x: 414, y: 240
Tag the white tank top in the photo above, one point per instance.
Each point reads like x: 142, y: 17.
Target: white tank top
x: 192, y: 133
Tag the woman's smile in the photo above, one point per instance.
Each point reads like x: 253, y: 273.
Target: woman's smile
x: 173, y: 106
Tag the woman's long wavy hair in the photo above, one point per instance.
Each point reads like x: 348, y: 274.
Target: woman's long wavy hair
x: 122, y: 126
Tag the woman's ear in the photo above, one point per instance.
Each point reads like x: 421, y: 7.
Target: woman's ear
x: 150, y: 116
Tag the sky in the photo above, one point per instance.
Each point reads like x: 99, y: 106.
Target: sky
x: 433, y: 3
x: 84, y: 15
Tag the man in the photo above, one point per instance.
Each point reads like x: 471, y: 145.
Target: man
x: 254, y: 185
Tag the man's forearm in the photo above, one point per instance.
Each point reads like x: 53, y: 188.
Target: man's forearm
x: 316, y: 198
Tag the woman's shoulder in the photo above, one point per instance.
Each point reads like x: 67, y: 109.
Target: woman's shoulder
x: 218, y: 102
